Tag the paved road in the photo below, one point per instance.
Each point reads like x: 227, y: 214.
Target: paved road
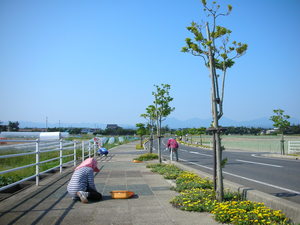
x: 278, y: 177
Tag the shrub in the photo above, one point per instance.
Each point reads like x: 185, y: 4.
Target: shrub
x: 139, y: 147
x: 247, y: 212
x: 147, y: 157
x: 5, y: 180
x: 167, y: 170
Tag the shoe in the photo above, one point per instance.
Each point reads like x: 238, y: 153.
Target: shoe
x: 75, y: 198
x: 83, y: 196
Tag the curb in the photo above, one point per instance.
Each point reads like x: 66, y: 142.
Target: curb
x: 290, y: 209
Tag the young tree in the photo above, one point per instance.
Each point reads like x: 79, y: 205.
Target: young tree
x: 141, y: 131
x: 2, y: 127
x: 150, y: 116
x: 201, y: 131
x: 13, y: 126
x: 218, y: 54
x: 281, y: 122
x: 162, y: 109
x: 192, y: 131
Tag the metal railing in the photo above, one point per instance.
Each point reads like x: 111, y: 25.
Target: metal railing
x: 293, y: 147
x: 88, y: 150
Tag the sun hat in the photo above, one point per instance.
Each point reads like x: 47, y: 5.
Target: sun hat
x: 89, y: 162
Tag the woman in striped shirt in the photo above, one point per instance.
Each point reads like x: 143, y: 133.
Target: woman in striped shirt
x: 82, y: 183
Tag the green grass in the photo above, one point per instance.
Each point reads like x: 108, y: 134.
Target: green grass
x: 19, y: 161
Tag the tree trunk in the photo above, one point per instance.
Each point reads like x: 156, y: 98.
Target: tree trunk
x: 282, y: 145
x: 151, y: 143
x: 200, y: 139
x: 159, y: 139
x: 159, y: 149
x: 219, y: 189
x: 215, y: 160
x: 141, y: 140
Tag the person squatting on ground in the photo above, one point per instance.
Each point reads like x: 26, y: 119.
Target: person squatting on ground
x: 173, y: 147
x: 82, y: 186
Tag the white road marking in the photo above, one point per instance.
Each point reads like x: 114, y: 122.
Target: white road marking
x: 265, y: 164
x: 200, y: 154
x: 206, y: 167
x: 249, y: 179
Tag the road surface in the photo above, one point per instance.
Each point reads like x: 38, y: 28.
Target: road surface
x: 278, y: 177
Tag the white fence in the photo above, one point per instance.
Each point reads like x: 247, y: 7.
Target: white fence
x: 293, y: 147
x: 88, y: 150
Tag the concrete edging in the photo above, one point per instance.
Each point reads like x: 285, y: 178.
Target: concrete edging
x: 290, y: 209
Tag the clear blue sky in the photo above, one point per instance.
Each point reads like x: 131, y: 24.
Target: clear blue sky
x: 97, y: 60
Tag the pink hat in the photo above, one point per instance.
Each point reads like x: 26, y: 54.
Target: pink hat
x: 89, y: 162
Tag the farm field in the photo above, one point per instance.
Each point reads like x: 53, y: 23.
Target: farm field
x: 248, y: 142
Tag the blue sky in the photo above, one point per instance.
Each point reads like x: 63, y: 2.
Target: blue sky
x: 97, y: 61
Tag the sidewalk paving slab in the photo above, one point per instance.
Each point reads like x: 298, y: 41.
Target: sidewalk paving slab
x: 49, y: 203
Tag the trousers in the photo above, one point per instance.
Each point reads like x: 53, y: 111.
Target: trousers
x: 94, y: 195
x: 174, y: 151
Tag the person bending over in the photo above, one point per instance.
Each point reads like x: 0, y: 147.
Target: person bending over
x: 173, y: 147
x: 82, y: 186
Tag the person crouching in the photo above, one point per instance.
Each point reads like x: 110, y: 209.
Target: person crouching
x: 82, y: 186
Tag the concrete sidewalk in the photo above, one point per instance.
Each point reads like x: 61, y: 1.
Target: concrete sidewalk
x: 49, y: 203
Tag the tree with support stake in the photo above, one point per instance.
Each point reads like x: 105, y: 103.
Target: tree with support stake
x: 218, y: 54
x: 150, y: 116
x: 281, y: 122
x: 162, y: 109
x: 141, y: 131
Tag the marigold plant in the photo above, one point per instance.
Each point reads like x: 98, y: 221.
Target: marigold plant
x: 187, y: 181
x: 248, y: 213
x: 196, y: 199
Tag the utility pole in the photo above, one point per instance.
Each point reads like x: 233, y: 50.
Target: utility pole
x: 46, y: 123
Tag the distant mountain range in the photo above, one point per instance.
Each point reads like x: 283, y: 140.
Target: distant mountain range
x: 225, y: 122
x: 171, y: 122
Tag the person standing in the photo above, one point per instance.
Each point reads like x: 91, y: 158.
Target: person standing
x: 173, y: 146
x: 82, y: 186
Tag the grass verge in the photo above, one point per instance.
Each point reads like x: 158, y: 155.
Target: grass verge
x: 147, y: 157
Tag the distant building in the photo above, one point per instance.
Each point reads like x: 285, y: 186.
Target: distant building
x: 275, y: 130
x: 112, y: 126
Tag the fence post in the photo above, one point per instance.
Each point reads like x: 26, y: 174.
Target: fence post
x: 89, y: 149
x: 82, y: 145
x: 74, y: 153
x: 60, y: 155
x: 37, y: 161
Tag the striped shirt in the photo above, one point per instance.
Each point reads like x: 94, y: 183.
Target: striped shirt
x: 81, y: 179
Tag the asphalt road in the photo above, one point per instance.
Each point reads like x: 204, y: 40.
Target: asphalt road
x: 278, y: 177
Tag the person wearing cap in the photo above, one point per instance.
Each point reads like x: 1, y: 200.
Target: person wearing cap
x: 82, y: 186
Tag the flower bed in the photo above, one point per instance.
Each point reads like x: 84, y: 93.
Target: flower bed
x: 197, y: 194
x: 247, y: 213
